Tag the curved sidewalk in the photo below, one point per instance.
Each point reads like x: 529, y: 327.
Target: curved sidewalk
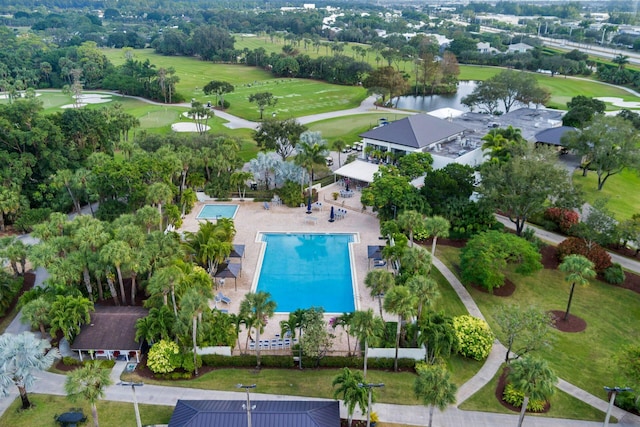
x: 496, y: 357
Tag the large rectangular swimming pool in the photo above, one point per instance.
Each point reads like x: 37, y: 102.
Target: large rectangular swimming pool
x: 303, y: 270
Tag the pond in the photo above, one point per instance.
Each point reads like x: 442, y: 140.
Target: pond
x: 434, y: 102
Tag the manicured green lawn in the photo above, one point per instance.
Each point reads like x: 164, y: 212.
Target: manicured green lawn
x: 296, y: 97
x: 621, y: 190
x: 585, y: 358
x: 348, y: 128
x: 110, y: 414
x: 563, y: 405
x: 295, y: 382
x: 562, y: 89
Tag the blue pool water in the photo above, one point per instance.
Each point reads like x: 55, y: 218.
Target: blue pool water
x: 218, y: 211
x: 308, y: 270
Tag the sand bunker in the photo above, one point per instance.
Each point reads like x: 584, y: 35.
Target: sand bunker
x: 89, y: 98
x: 619, y: 102
x: 189, y: 127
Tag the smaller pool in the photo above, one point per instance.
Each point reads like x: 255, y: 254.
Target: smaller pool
x: 218, y: 211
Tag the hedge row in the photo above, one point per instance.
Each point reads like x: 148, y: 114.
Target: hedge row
x: 268, y: 361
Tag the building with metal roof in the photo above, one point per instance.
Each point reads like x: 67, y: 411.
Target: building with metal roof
x: 264, y: 413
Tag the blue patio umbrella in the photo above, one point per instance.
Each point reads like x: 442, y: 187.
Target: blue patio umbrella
x: 309, y: 205
x: 332, y: 216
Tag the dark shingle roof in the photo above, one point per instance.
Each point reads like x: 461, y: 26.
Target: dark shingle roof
x: 267, y: 413
x: 111, y: 328
x: 417, y: 131
x: 553, y: 135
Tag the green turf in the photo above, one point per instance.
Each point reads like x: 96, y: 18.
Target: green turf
x: 296, y: 97
x: 621, y: 190
x: 585, y: 358
x: 563, y: 405
x: 110, y: 414
x: 348, y: 128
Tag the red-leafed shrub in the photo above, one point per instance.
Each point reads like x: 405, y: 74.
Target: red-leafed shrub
x: 593, y: 252
x: 563, y: 218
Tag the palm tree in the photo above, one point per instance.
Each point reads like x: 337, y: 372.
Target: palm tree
x: 88, y: 383
x: 621, y: 60
x: 438, y: 336
x: 296, y: 320
x: 339, y: 145
x: 350, y: 392
x: 425, y: 289
x: 261, y: 307
x: 157, y: 325
x: 21, y: 357
x: 434, y: 388
x: 312, y: 150
x: 379, y: 282
x: 534, y: 378
x: 579, y: 270
x: 344, y: 320
x: 147, y: 216
x: 436, y: 226
x: 36, y: 313
x: 157, y: 194
x: 193, y: 303
x: 117, y: 253
x: 409, y: 221
x: 68, y: 313
x: 401, y: 301
x: 165, y: 281
x: 239, y: 179
x: 365, y: 327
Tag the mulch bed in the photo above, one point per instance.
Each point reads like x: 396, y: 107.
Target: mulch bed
x: 573, y: 324
x: 549, y: 257
x: 502, y: 382
x: 503, y: 291
x: 455, y: 243
x: 354, y: 423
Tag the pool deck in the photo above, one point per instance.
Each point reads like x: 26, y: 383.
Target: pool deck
x: 253, y: 218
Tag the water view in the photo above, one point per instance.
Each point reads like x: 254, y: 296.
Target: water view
x: 434, y: 102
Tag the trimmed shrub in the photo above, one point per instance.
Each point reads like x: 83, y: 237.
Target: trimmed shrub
x: 593, y: 252
x: 614, y: 274
x: 177, y: 376
x: 164, y: 357
x: 105, y: 364
x: 276, y: 361
x: 290, y: 194
x: 563, y: 218
x: 342, y: 362
x: 70, y: 361
x: 187, y: 362
x: 218, y: 361
x: 515, y: 398
x: 627, y: 401
x: 474, y: 336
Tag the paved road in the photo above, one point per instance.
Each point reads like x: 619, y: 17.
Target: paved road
x: 554, y: 238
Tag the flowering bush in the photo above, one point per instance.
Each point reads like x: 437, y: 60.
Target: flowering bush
x: 164, y: 357
x: 515, y: 398
x: 593, y: 252
x: 474, y: 336
x: 563, y: 218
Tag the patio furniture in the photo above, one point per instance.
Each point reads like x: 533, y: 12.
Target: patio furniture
x: 265, y: 205
x: 71, y: 418
x: 221, y: 298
